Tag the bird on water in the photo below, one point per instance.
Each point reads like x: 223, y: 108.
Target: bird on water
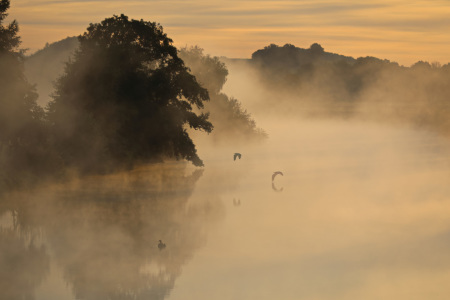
x: 161, y: 245
x: 238, y: 155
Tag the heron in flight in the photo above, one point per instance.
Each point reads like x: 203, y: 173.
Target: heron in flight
x: 238, y: 155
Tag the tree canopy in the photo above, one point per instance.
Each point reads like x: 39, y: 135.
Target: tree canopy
x: 8, y: 34
x: 231, y: 121
x: 22, y: 139
x: 126, y: 97
x: 16, y: 101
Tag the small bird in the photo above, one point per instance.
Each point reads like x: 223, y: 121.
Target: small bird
x: 161, y: 245
x: 275, y: 174
x: 238, y: 155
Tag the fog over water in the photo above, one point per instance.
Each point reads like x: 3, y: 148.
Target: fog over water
x: 361, y: 212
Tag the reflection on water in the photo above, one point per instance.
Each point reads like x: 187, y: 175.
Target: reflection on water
x: 104, y: 232
x: 363, y: 214
x: 23, y: 265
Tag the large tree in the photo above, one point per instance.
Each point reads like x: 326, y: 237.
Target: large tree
x: 22, y: 136
x: 125, y: 98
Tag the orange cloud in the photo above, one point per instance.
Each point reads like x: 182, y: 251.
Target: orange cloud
x: 401, y: 31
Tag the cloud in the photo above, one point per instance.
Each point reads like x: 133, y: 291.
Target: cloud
x: 233, y: 28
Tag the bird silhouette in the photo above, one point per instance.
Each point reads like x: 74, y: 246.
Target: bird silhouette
x: 161, y: 245
x: 238, y: 155
x: 276, y: 173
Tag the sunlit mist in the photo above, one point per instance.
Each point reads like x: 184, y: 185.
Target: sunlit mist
x: 185, y: 150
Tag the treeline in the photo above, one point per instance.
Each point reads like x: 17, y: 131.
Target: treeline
x: 125, y: 97
x: 318, y: 83
x: 231, y: 121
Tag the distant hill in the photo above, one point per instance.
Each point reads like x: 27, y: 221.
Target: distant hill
x: 44, y: 66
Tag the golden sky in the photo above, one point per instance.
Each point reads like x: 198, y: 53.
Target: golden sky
x: 399, y: 30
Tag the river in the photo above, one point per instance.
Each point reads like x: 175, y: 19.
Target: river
x: 360, y: 212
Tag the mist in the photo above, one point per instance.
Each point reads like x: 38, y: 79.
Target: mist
x: 313, y: 83
x: 362, y: 206
x: 362, y: 213
x: 115, y: 203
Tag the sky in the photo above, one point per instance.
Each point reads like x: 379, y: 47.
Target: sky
x: 402, y: 31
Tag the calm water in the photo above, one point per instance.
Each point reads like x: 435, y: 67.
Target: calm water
x: 362, y: 212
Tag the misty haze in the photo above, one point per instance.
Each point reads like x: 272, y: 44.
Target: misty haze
x: 133, y: 169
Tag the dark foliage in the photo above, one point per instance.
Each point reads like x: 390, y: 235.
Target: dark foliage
x: 231, y: 122
x: 209, y: 71
x: 291, y: 57
x: 125, y: 98
x: 9, y: 41
x: 23, y: 142
x: 316, y: 82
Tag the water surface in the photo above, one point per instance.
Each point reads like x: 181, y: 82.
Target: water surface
x: 362, y: 212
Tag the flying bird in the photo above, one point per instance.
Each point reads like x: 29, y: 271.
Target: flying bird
x: 238, y: 155
x: 161, y: 245
x: 276, y: 173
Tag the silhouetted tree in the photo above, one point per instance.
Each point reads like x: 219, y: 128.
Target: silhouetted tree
x: 316, y: 48
x: 22, y: 130
x: 231, y: 121
x: 209, y: 71
x: 126, y: 98
x: 9, y: 40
